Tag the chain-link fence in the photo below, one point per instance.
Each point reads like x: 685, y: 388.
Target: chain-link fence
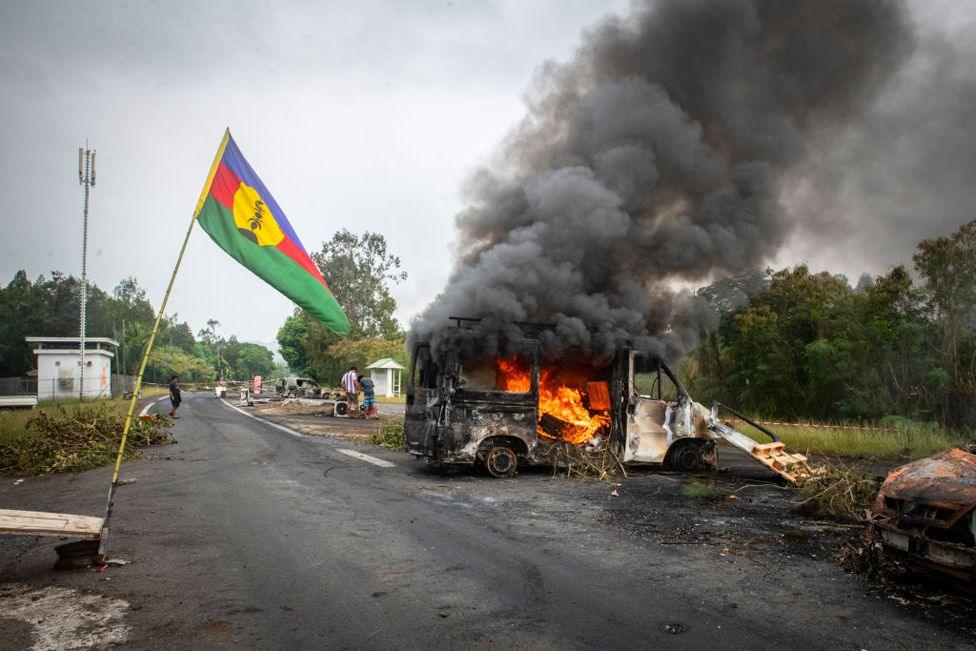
x: 118, y: 386
x: 18, y: 386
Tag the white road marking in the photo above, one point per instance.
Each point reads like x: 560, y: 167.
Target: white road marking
x: 382, y: 463
x: 286, y: 430
x: 145, y: 410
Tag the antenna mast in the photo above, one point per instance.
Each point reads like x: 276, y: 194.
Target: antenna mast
x: 86, y: 178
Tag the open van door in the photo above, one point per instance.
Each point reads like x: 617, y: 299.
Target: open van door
x: 654, y: 396
x: 423, y: 403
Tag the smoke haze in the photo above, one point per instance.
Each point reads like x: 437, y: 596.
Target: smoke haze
x: 662, y: 153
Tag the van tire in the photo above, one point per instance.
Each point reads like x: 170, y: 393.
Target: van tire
x: 501, y: 461
x: 690, y: 455
x: 341, y: 409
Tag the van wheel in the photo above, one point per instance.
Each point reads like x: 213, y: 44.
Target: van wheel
x: 691, y: 455
x: 684, y: 456
x: 501, y: 462
x: 341, y: 408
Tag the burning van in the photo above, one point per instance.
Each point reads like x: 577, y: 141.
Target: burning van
x: 501, y: 412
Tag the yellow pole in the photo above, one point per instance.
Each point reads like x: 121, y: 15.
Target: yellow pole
x: 149, y: 344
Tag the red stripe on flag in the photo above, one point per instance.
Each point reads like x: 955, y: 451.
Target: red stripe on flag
x: 224, y: 186
x: 294, y: 252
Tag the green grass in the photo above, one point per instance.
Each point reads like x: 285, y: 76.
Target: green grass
x: 705, y: 490
x: 396, y: 400
x: 389, y: 435
x: 913, y: 441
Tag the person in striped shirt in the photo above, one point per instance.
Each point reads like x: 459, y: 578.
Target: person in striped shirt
x: 350, y: 384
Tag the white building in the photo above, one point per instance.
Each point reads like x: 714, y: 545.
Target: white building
x: 387, y: 377
x: 59, y: 366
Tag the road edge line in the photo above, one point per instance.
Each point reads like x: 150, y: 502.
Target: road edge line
x: 286, y: 430
x: 145, y: 410
x: 376, y: 461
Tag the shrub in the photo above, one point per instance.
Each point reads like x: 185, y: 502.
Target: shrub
x: 389, y: 435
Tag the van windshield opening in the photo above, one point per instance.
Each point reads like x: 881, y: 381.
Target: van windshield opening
x: 513, y: 375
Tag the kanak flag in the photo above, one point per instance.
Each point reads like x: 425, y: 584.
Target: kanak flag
x: 242, y: 217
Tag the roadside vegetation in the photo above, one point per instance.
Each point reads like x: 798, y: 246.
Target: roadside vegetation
x: 388, y: 435
x: 72, y: 436
x: 907, y: 442
x: 705, y: 490
x: 793, y: 345
x: 838, y: 492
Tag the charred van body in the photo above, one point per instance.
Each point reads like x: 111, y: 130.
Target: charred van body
x: 506, y: 411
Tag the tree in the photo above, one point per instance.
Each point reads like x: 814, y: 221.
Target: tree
x: 362, y: 352
x: 254, y: 359
x: 293, y: 342
x: 359, y: 270
x: 947, y: 266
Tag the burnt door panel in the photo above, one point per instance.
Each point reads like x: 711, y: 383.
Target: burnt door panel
x: 420, y: 416
x: 653, y: 395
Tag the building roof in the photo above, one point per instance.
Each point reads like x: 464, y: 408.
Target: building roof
x: 71, y: 340
x: 386, y: 362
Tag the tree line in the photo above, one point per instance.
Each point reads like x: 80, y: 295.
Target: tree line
x: 810, y: 346
x: 49, y: 307
x: 360, y: 270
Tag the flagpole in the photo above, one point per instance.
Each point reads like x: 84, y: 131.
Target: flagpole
x: 103, y: 543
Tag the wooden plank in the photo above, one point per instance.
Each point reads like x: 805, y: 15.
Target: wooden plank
x: 39, y: 523
x: 768, y: 447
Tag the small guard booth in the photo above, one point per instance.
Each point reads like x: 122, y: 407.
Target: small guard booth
x: 387, y: 376
x: 59, y: 366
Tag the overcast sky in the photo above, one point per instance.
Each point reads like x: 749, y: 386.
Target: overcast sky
x: 358, y: 115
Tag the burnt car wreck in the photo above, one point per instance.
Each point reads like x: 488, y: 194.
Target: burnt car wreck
x: 926, y: 512
x: 501, y: 412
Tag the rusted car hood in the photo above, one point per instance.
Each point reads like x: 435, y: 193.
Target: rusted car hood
x: 946, y: 480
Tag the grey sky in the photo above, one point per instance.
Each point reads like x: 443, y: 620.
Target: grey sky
x: 355, y: 115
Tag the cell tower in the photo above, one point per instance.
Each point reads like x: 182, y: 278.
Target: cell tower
x: 86, y: 178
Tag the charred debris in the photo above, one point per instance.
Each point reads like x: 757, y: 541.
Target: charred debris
x: 510, y: 400
x: 925, y: 513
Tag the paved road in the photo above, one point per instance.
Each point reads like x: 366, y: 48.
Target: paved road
x: 244, y: 535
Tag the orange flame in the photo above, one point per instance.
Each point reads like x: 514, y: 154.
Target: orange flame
x: 558, y: 400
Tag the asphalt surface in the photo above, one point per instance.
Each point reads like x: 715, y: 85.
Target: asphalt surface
x: 245, y: 535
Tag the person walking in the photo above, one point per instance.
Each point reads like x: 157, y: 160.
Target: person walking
x: 350, y: 384
x: 369, y: 396
x: 175, y: 397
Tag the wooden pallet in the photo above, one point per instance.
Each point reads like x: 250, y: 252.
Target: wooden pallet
x: 775, y: 457
x: 37, y: 523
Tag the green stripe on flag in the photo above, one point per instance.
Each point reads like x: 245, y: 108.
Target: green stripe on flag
x: 273, y: 267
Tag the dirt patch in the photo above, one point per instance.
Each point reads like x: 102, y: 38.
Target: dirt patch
x: 315, y: 421
x: 62, y: 618
x: 290, y: 408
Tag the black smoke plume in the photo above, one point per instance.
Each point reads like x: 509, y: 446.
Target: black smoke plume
x: 655, y: 157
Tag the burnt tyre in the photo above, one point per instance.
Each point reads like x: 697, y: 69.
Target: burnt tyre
x: 707, y: 455
x: 501, y: 461
x: 341, y: 409
x: 688, y: 456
